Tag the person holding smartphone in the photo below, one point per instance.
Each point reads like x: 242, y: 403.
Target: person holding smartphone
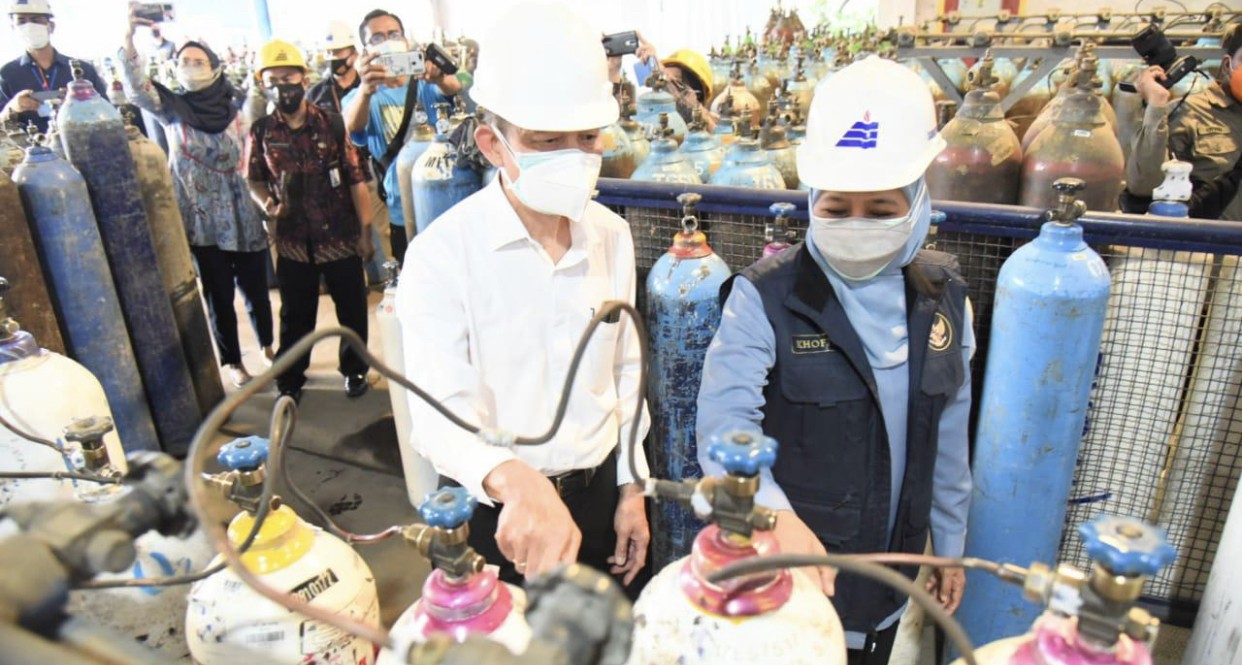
x: 375, y: 111
x: 42, y: 73
x: 222, y: 224
x: 496, y: 295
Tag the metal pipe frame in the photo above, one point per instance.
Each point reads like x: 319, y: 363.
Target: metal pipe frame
x: 1203, y: 14
x: 1192, y: 235
x: 1051, y: 57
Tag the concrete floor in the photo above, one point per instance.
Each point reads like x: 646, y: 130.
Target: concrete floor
x: 344, y: 456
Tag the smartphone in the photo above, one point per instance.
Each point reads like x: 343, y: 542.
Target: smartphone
x: 155, y: 12
x: 410, y: 63
x: 48, y: 95
x: 621, y: 43
x: 440, y: 58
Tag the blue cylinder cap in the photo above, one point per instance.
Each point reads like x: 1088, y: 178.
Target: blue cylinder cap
x: 779, y: 209
x: 938, y: 217
x: 1126, y: 546
x: 743, y: 452
x: 245, y: 454
x: 448, y: 507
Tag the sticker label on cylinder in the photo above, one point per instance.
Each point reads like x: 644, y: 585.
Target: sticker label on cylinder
x: 1082, y: 133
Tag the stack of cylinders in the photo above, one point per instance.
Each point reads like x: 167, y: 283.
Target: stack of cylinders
x: 95, y: 143
x: 80, y: 282
x: 1079, y: 144
x: 172, y: 248
x: 982, y: 162
x: 28, y: 298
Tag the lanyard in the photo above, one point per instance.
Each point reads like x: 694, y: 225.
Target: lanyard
x: 44, y: 79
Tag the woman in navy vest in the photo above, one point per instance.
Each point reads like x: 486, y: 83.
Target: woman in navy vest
x: 852, y: 350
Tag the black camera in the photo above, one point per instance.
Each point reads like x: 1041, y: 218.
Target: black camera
x: 1156, y: 49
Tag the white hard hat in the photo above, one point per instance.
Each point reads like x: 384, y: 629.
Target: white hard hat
x: 340, y: 35
x: 543, y: 68
x: 871, y: 128
x: 30, y: 7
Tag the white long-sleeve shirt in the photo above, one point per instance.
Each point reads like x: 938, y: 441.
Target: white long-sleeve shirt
x: 489, y: 325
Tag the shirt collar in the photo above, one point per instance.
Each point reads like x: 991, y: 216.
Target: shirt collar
x: 504, y: 227
x: 58, y: 58
x: 1219, y: 97
x: 313, y: 115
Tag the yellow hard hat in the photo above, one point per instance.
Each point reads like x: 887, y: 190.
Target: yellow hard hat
x: 697, y: 64
x: 277, y: 53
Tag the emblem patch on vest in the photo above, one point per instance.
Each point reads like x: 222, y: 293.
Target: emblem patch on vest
x: 941, y: 335
x: 803, y: 344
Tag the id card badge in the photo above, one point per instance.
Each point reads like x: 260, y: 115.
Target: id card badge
x: 334, y: 176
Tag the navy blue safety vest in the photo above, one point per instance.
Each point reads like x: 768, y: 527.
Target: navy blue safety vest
x: 822, y: 406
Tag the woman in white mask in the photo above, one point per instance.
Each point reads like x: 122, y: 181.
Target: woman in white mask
x: 496, y: 294
x: 205, y: 146
x: 852, y: 350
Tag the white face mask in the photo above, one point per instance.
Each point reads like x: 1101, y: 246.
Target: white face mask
x: 390, y: 47
x: 34, y: 35
x: 194, y: 78
x: 559, y: 182
x: 858, y: 248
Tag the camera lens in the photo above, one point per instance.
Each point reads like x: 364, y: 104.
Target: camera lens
x: 1154, y: 47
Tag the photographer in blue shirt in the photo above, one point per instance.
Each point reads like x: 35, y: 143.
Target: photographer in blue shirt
x: 375, y: 110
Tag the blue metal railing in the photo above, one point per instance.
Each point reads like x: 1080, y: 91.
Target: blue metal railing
x: 1192, y: 235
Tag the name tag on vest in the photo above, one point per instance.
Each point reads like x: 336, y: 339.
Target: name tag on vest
x: 804, y: 344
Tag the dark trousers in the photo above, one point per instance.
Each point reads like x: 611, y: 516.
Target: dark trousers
x: 299, y: 309
x: 221, y: 272
x: 399, y: 242
x: 592, y: 509
x: 877, y: 650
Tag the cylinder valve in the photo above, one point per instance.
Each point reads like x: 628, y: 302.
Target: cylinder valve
x: 443, y: 538
x: 89, y: 434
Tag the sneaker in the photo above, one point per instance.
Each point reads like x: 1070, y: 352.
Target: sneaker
x: 356, y: 385
x: 238, y: 375
x: 269, y: 356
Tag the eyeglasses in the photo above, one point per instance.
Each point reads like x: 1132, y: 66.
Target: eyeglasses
x: 379, y: 37
x: 21, y: 19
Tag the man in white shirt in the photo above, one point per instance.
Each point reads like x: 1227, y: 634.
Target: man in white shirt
x: 496, y: 295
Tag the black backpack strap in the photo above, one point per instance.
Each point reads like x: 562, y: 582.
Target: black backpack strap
x: 398, y: 139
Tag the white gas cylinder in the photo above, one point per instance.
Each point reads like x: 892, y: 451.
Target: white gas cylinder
x: 670, y: 627
x: 414, y: 625
x: 420, y: 477
x: 41, y: 393
x: 228, y: 622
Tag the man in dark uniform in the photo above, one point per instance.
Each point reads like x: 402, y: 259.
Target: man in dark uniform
x: 341, y: 77
x: 27, y: 83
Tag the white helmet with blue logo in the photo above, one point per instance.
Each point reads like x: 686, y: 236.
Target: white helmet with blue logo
x: 30, y: 7
x: 871, y: 128
x: 339, y: 36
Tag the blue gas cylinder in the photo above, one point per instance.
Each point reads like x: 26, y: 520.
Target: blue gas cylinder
x: 80, y: 282
x: 748, y: 165
x: 438, y: 182
x: 1048, y: 318
x: 683, y: 311
x: 420, y: 138
x: 666, y: 163
x: 657, y: 102
x: 96, y: 144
